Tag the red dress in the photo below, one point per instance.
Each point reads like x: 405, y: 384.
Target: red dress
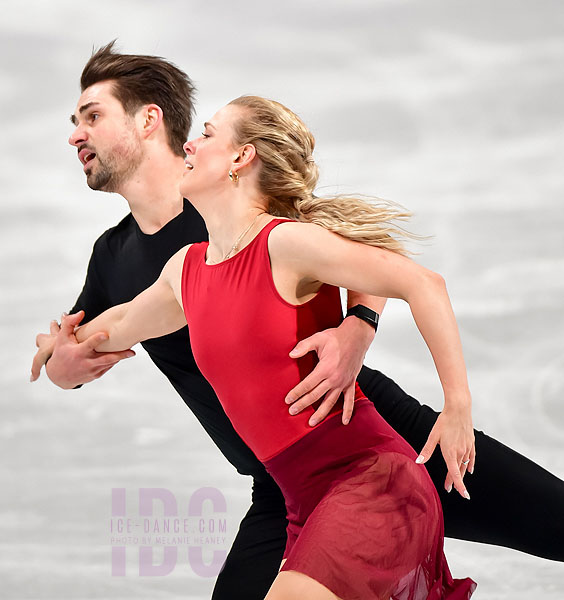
x: 364, y: 519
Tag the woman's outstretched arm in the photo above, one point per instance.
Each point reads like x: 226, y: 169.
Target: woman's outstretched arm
x: 318, y: 255
x: 155, y: 312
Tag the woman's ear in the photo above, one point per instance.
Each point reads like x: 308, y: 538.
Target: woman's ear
x: 245, y: 156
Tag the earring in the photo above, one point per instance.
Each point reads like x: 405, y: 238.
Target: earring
x: 233, y: 175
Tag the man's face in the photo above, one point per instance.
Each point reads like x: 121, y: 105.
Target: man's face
x: 106, y: 138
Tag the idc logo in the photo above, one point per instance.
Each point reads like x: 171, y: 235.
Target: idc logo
x: 186, y: 537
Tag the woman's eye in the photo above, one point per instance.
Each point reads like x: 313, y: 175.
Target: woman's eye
x: 205, y: 135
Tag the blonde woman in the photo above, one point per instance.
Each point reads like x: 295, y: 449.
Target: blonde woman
x: 364, y: 518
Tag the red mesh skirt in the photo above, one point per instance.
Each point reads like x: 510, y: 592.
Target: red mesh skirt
x: 364, y: 519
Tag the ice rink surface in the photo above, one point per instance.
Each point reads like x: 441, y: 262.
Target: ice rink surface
x: 452, y: 108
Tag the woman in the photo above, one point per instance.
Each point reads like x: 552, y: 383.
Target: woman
x: 364, y: 518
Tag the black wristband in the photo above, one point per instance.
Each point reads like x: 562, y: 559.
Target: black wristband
x: 365, y: 314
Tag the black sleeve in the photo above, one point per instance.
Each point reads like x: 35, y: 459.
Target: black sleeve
x: 93, y: 298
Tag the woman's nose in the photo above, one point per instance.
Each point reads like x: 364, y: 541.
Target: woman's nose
x: 189, y: 147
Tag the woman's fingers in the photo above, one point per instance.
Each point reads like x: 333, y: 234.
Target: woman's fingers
x: 429, y: 447
x: 454, y: 470
x: 472, y: 462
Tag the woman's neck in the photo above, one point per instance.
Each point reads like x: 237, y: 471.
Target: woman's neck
x: 232, y: 221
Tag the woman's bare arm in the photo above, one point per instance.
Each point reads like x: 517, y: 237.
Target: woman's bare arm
x: 318, y: 255
x: 155, y: 312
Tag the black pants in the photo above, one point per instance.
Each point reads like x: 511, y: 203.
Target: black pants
x: 515, y: 503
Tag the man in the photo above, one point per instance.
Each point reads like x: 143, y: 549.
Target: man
x: 131, y: 121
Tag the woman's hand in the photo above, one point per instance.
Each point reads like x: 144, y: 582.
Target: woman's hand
x: 454, y: 432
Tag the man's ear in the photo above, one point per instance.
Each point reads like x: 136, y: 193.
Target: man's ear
x: 150, y: 117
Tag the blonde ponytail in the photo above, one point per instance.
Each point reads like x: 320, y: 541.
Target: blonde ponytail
x: 289, y: 175
x: 369, y: 221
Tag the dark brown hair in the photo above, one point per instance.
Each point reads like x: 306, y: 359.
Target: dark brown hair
x: 140, y: 79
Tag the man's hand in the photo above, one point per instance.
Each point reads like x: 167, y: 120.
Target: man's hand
x: 455, y: 434
x: 70, y: 363
x: 341, y: 352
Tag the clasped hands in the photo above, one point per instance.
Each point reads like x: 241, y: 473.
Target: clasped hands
x: 69, y: 363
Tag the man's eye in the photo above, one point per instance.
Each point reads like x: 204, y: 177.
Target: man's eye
x: 94, y: 116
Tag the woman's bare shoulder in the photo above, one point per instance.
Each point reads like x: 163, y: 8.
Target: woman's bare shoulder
x: 291, y: 231
x: 176, y: 262
x: 293, y: 237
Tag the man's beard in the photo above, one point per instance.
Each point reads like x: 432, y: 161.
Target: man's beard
x: 116, y: 168
x: 101, y: 178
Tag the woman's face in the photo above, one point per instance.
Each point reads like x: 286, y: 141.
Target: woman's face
x: 210, y: 156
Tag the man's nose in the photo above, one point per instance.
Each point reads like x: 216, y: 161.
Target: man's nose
x: 77, y: 137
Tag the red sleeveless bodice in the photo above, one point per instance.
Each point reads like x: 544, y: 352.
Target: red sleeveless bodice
x: 363, y: 518
x: 241, y: 332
